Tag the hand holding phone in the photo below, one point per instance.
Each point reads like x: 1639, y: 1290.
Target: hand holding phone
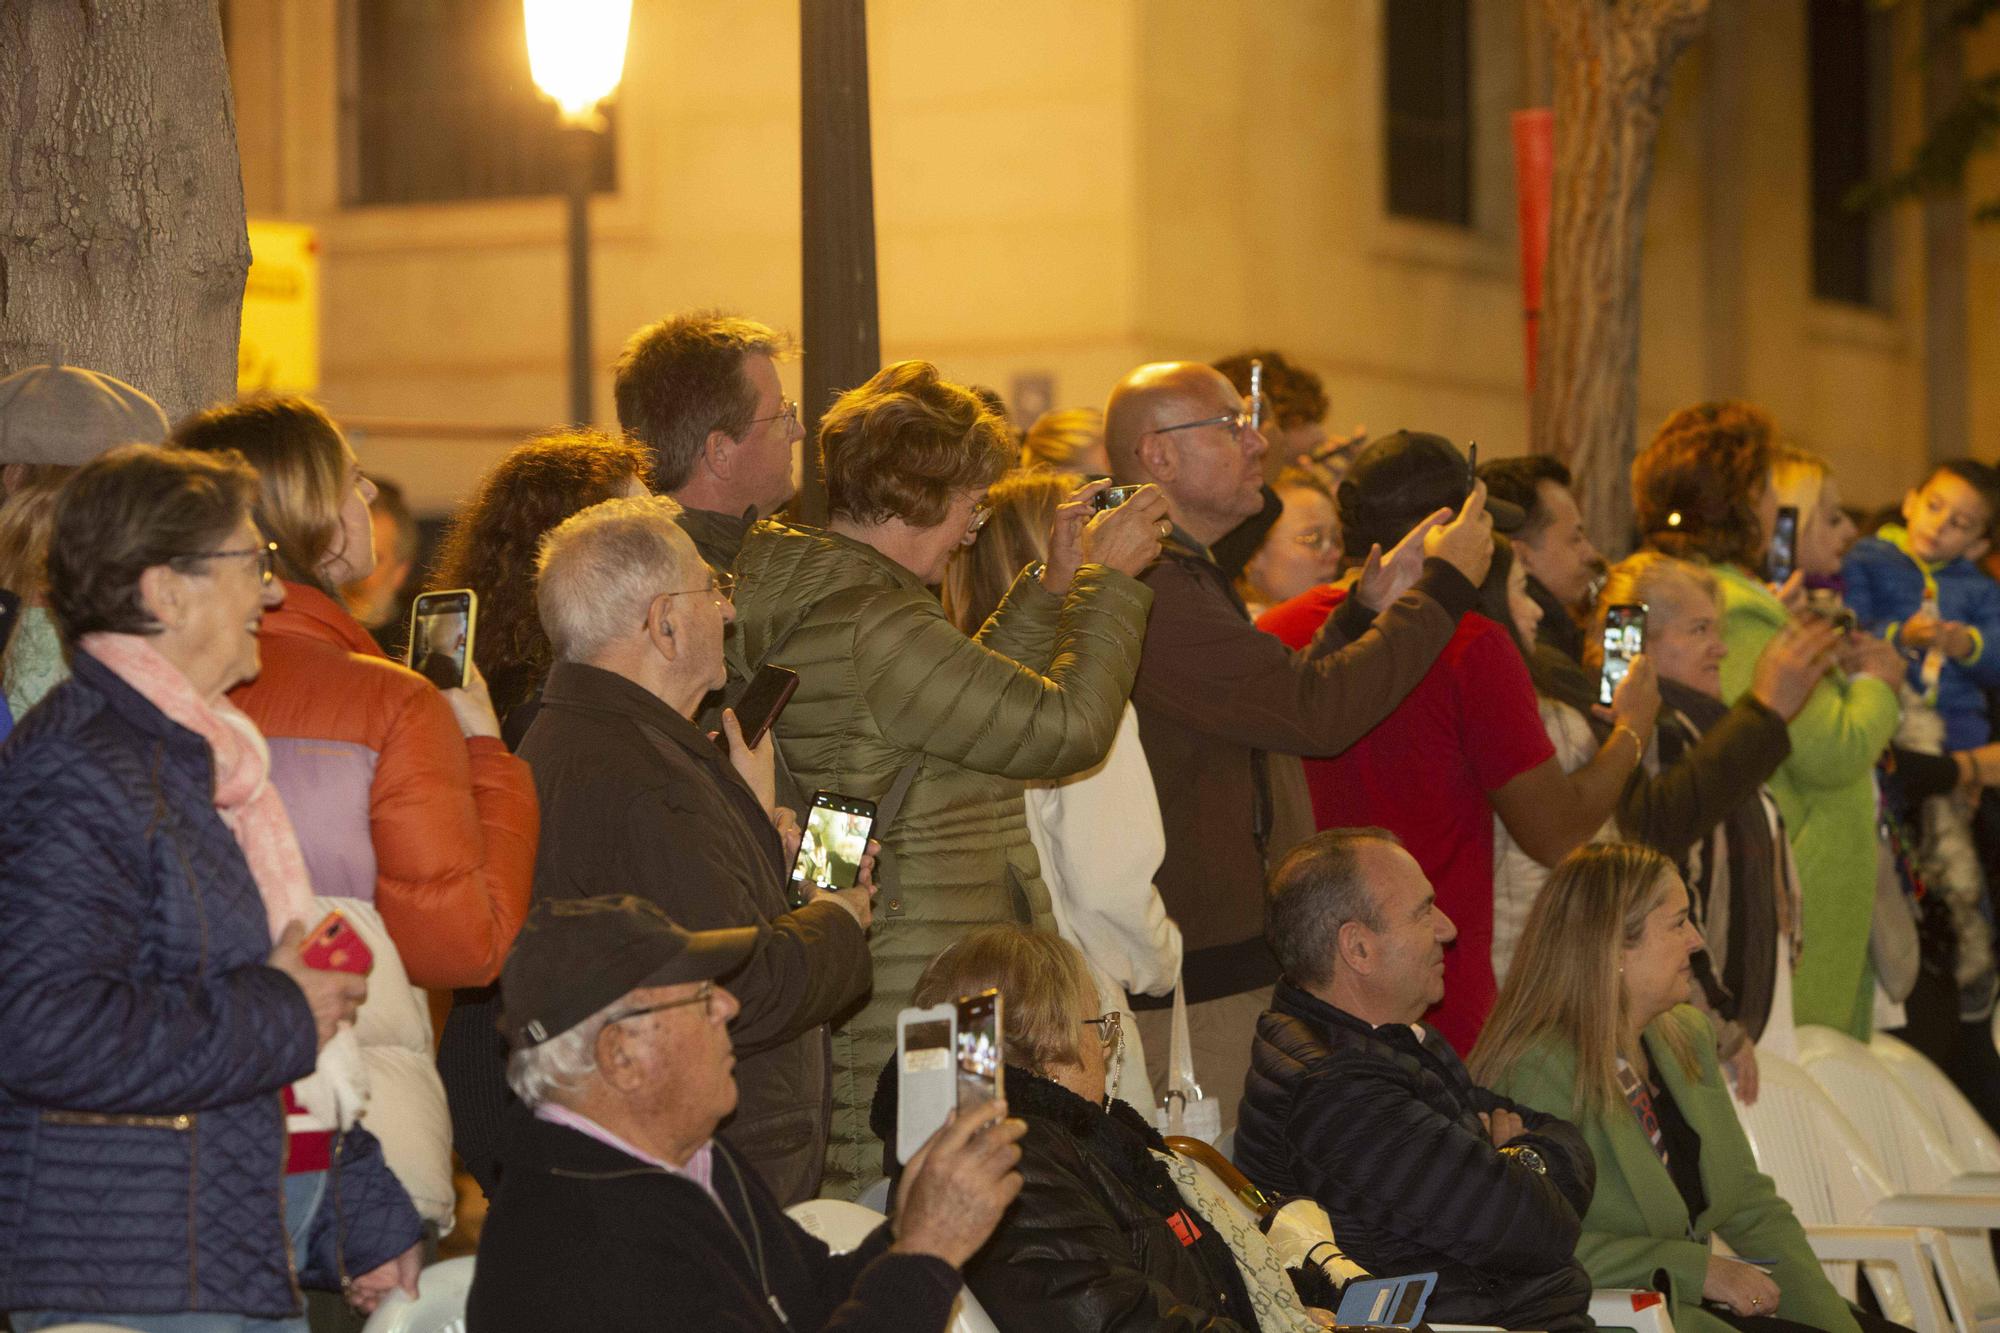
x: 1783, y: 557
x: 1624, y: 639
x: 441, y: 628
x: 763, y: 699
x: 835, y: 840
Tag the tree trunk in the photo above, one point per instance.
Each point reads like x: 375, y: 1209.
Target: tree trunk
x: 1612, y: 62
x: 842, y: 331
x: 122, y: 243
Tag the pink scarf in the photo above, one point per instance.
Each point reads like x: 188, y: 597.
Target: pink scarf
x: 244, y: 797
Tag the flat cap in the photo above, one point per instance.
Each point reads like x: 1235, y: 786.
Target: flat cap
x: 68, y: 416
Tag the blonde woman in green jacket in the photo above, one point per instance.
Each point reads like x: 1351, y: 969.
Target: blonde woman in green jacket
x: 1708, y: 488
x: 887, y: 683
x: 1594, y: 1025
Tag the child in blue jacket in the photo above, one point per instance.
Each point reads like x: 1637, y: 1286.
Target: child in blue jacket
x: 1917, y: 584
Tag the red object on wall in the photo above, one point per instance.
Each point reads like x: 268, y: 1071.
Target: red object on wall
x: 1534, y: 174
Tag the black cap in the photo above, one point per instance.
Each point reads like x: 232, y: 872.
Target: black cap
x: 1398, y: 480
x: 574, y: 956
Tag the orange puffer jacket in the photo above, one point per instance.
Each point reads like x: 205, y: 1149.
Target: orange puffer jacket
x: 391, y: 803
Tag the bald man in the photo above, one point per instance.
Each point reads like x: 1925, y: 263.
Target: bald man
x: 1224, y: 708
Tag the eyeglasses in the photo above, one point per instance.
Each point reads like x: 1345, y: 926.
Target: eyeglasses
x: 1317, y: 542
x: 788, y: 413
x: 720, y: 584
x: 1250, y: 417
x: 705, y: 997
x: 1109, y: 1026
x: 266, y: 556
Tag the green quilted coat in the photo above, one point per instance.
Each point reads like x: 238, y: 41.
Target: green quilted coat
x: 884, y: 679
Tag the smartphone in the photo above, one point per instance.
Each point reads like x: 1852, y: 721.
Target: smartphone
x: 926, y: 1085
x: 977, y: 1039
x: 1471, y: 466
x: 1395, y: 1302
x: 1256, y: 394
x: 1784, y: 556
x: 10, y: 615
x: 835, y: 840
x: 441, y: 625
x: 334, y: 946
x: 763, y: 699
x: 1624, y: 639
x: 1113, y: 496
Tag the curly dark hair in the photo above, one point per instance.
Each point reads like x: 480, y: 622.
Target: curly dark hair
x: 1297, y: 395
x: 1696, y: 487
x: 493, y: 542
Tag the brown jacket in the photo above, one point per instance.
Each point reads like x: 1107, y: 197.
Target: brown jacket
x: 1224, y: 708
x: 636, y: 800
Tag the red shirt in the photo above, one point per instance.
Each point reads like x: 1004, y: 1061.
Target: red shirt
x: 1469, y: 727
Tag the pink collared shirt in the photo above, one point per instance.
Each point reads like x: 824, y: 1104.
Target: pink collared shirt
x: 700, y: 1168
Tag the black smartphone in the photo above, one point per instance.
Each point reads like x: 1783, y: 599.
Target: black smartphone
x: 441, y: 625
x: 1113, y: 496
x: 1784, y: 556
x: 979, y: 1051
x: 1471, y: 466
x: 835, y: 840
x: 1624, y: 639
x: 763, y: 699
x: 10, y: 615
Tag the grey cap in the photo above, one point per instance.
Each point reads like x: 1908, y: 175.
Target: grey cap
x: 68, y: 416
x: 574, y: 956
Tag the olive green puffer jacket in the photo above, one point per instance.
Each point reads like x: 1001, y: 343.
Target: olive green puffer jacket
x: 884, y: 679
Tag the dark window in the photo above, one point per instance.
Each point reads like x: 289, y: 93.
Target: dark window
x: 439, y: 105
x: 1846, y: 80
x: 1427, y: 109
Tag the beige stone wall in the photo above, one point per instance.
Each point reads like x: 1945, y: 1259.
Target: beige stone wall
x: 1066, y: 188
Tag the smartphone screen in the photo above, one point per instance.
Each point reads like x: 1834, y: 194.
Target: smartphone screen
x: 1624, y: 639
x: 1784, y: 557
x: 1256, y: 394
x: 979, y: 1057
x: 835, y: 840
x: 441, y: 636
x: 927, y: 1087
x: 757, y: 711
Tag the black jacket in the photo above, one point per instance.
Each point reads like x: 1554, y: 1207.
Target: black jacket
x: 584, y: 1237
x: 1384, y: 1132
x: 636, y: 800
x: 1092, y: 1242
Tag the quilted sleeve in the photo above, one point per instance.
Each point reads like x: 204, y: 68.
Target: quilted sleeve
x: 89, y: 1025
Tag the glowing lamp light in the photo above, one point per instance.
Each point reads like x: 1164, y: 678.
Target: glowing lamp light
x: 1674, y: 519
x: 576, y: 50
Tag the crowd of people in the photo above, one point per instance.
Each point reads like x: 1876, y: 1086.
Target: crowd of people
x: 1274, y: 779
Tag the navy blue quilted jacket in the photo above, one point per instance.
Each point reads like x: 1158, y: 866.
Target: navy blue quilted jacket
x: 143, y: 1043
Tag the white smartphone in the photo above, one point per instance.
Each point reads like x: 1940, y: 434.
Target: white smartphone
x: 926, y: 1074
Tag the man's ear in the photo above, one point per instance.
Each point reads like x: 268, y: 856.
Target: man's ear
x: 660, y: 627
x: 1354, y: 948
x: 1158, y: 456
x: 616, y: 1062
x: 719, y: 452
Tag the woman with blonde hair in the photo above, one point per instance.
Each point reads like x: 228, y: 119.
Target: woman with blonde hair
x: 1067, y: 439
x: 1100, y: 887
x: 1594, y: 1025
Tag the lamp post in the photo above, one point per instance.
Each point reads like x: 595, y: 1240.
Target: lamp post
x: 576, y: 52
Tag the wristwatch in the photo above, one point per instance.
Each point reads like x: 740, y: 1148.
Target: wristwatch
x: 1527, y: 1157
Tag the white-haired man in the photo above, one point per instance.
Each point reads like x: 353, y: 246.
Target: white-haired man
x: 637, y: 799
x: 620, y: 1210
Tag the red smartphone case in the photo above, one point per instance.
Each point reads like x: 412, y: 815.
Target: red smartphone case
x: 333, y: 946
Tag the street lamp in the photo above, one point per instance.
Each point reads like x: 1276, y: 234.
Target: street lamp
x: 576, y: 52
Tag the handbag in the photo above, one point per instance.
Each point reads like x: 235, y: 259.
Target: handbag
x: 1184, y: 1111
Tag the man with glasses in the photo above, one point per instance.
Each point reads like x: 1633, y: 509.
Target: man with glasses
x: 620, y: 1209
x: 1224, y: 709
x: 701, y: 392
x: 637, y: 799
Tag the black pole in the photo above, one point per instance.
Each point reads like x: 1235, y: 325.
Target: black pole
x: 842, y: 330
x: 581, y: 144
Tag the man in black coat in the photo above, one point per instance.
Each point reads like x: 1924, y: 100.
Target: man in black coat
x: 1351, y: 1102
x: 619, y: 1210
x: 637, y: 799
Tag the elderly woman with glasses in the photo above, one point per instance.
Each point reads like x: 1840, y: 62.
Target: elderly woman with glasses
x: 158, y: 1025
x: 896, y: 705
x: 1102, y: 1237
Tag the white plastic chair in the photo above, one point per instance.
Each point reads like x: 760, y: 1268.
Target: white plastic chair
x: 1835, y: 1185
x: 1971, y: 1138
x: 1640, y: 1311
x: 439, y: 1307
x: 1916, y: 1155
x: 843, y: 1226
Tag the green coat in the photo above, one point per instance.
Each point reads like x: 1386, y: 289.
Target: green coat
x: 884, y: 678
x: 1826, y: 791
x: 1638, y: 1223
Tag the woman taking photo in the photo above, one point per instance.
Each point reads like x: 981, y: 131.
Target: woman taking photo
x: 1101, y: 1237
x: 150, y: 1032
x: 1100, y: 888
x: 1705, y: 490
x: 492, y: 545
x: 889, y: 688
x: 1594, y: 1025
